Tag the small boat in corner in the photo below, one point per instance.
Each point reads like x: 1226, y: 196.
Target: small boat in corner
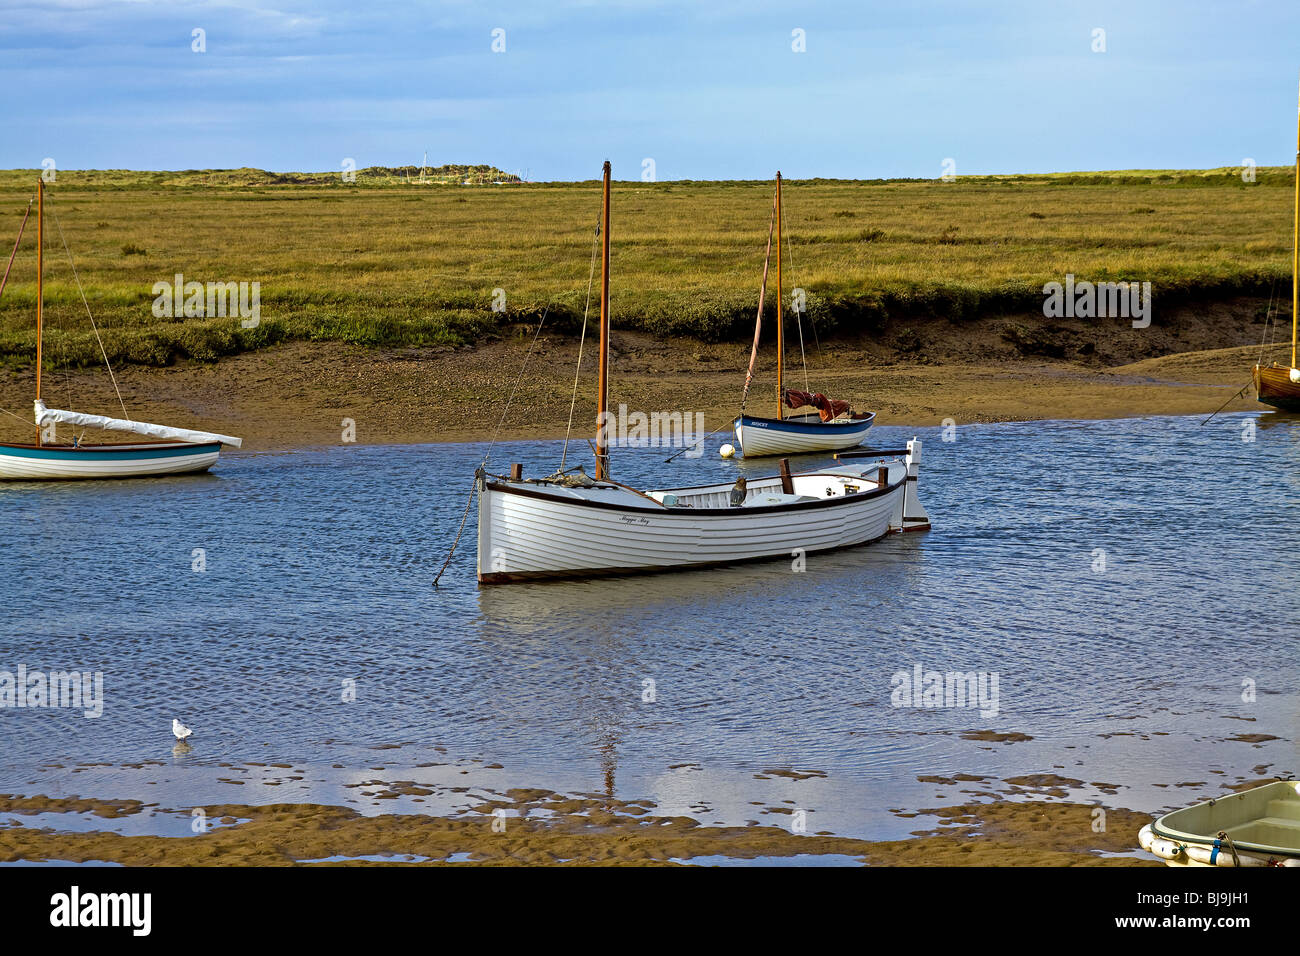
x: 1257, y: 827
x: 174, y: 451
x: 575, y: 525
x: 833, y: 427
x: 1279, y: 385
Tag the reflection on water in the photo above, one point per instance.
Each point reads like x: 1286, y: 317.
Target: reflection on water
x: 1122, y: 578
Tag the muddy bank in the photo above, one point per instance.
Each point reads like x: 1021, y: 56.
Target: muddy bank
x: 540, y: 827
x: 300, y: 394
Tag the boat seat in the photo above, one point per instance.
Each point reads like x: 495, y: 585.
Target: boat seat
x: 765, y: 498
x: 1267, y: 831
x: 1285, y: 809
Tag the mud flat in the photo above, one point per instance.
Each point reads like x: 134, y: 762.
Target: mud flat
x: 540, y: 827
x: 299, y: 394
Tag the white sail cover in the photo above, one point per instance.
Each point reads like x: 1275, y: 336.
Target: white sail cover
x: 46, y: 416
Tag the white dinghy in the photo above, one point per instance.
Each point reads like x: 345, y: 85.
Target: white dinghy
x: 575, y: 525
x: 1257, y: 827
x: 174, y: 451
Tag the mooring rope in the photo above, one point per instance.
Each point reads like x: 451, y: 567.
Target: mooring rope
x: 686, y: 448
x: 469, y: 503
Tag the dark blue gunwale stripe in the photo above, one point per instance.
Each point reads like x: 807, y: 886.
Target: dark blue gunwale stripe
x: 803, y: 428
x: 124, y: 454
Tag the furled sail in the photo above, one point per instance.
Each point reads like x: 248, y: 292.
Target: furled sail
x: 827, y: 408
x: 46, y: 416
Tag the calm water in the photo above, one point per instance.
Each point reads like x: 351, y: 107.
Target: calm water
x: 318, y: 570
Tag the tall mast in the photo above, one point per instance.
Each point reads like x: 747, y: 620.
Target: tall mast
x: 780, y: 325
x: 40, y: 285
x: 602, y: 397
x: 1295, y: 245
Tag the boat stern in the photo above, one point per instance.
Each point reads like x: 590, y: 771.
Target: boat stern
x: 912, y: 515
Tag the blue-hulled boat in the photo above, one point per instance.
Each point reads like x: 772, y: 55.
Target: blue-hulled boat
x: 836, y: 429
x: 799, y: 434
x: 176, y: 451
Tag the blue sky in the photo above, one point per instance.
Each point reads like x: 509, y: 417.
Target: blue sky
x: 708, y: 90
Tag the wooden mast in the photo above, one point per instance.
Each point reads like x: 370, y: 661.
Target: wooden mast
x: 780, y: 325
x: 1295, y: 244
x: 602, y: 397
x: 40, y: 285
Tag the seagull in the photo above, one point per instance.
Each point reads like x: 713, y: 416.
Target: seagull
x: 180, y: 730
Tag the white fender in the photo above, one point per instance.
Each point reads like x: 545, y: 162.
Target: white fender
x: 1158, y: 846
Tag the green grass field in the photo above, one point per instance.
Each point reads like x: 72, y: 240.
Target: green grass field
x: 387, y: 261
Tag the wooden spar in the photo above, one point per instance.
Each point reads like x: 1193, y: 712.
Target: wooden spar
x: 40, y: 285
x: 780, y: 325
x: 602, y: 397
x: 1295, y: 245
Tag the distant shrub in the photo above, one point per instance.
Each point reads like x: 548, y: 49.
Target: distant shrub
x: 130, y: 249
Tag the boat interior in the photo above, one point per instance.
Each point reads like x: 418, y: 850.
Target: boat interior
x: 1265, y: 817
x: 768, y: 491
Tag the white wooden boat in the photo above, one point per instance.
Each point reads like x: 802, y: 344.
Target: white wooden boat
x: 1257, y: 827
x: 545, y: 529
x: 570, y: 525
x: 799, y: 434
x: 176, y: 450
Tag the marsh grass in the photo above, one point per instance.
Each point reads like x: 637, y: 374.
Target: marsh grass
x: 390, y: 263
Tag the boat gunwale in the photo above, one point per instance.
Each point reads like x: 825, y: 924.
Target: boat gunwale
x: 1198, y: 839
x: 835, y: 500
x: 105, y: 452
x: 795, y: 426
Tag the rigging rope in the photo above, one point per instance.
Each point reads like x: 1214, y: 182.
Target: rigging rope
x: 5, y: 280
x: 93, y: 326
x: 798, y: 316
x: 586, y: 309
x: 19, y: 417
x: 487, y: 454
x: 1266, y: 339
x: 522, y: 368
